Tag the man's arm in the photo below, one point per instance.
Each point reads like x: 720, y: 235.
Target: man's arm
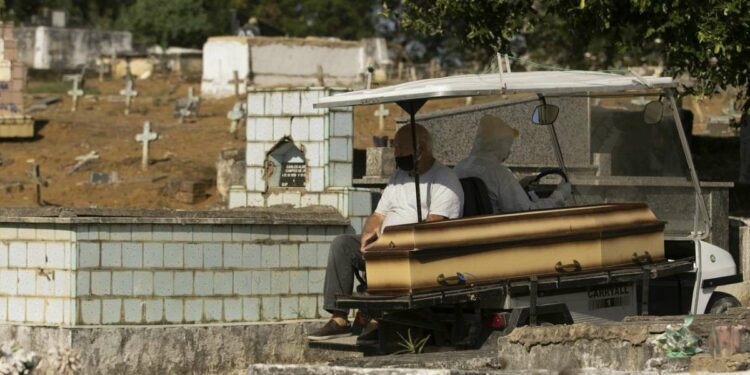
x: 434, y: 218
x: 371, y: 230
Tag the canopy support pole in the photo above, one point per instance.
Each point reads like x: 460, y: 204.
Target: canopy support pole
x: 412, y: 107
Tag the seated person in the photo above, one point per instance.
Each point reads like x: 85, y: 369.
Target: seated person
x: 441, y: 196
x: 491, y: 147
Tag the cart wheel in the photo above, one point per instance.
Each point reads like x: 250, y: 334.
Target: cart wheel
x: 721, y: 302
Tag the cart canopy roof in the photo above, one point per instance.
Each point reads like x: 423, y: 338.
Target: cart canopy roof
x: 542, y: 82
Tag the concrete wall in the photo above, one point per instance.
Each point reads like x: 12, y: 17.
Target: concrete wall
x: 63, y: 48
x: 269, y: 62
x: 453, y: 131
x: 324, y: 136
x: 146, y: 272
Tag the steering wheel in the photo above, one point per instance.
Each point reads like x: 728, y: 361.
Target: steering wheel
x: 531, y: 183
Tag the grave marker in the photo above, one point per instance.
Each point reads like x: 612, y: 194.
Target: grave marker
x: 129, y: 92
x: 187, y: 107
x: 236, y: 115
x: 146, y: 137
x: 36, y: 179
x: 83, y: 160
x: 236, y: 82
x: 75, y: 92
x: 381, y: 113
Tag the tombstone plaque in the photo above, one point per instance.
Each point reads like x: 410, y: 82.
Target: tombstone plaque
x: 292, y: 173
x: 286, y: 167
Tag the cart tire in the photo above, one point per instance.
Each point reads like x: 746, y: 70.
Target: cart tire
x: 721, y: 302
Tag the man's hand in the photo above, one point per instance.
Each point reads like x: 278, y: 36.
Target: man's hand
x: 367, y: 239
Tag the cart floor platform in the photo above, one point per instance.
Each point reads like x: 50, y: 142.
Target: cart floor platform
x: 519, y: 286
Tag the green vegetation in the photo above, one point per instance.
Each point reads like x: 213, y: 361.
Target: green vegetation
x: 708, y: 39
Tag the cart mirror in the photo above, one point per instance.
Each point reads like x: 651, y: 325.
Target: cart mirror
x: 545, y: 114
x: 653, y: 112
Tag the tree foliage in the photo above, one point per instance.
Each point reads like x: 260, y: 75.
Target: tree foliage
x: 707, y: 39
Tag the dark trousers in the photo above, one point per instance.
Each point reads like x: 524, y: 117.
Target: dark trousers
x: 343, y: 258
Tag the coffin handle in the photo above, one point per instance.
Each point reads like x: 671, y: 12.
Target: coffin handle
x: 642, y: 259
x: 459, y: 279
x: 568, y: 268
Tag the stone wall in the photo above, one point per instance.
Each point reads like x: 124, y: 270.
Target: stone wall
x: 262, y: 265
x: 60, y: 48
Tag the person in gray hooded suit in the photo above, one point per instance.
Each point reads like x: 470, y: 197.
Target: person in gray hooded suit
x: 491, y: 148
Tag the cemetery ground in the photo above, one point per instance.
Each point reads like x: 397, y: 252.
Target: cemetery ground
x: 183, y: 151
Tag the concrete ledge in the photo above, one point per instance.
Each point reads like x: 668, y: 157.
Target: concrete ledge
x: 178, y: 349
x: 281, y: 214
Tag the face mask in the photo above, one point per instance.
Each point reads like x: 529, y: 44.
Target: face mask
x: 405, y: 163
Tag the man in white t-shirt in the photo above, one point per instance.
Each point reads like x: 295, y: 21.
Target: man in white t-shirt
x: 441, y: 196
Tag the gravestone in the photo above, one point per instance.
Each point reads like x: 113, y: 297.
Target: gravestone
x: 145, y: 138
x: 75, y: 92
x: 187, y: 107
x: 286, y: 165
x: 235, y: 116
x: 381, y: 113
x: 236, y: 81
x: 83, y: 160
x: 13, y: 123
x: 129, y: 93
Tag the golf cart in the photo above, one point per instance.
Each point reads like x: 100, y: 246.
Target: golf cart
x: 605, y: 256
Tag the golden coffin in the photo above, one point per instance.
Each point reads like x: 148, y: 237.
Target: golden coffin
x: 482, y: 249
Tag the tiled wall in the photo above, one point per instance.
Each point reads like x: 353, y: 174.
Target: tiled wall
x: 325, y: 137
x: 161, y: 273
x: 35, y: 274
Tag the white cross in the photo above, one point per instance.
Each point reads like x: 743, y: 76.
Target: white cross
x: 382, y: 113
x: 236, y: 82
x: 82, y: 160
x: 75, y: 92
x: 236, y: 115
x: 128, y: 93
x: 191, y: 106
x: 146, y: 137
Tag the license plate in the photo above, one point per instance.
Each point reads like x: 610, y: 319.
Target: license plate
x: 609, y: 296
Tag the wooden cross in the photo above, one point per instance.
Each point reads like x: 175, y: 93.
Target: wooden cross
x: 36, y: 178
x: 236, y: 82
x: 236, y: 115
x: 75, y: 92
x: 82, y: 160
x: 146, y: 137
x: 128, y: 93
x: 381, y: 113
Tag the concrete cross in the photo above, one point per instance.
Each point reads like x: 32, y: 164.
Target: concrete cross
x: 236, y: 82
x: 381, y: 113
x: 236, y: 115
x: 75, y: 92
x: 128, y: 93
x: 146, y: 137
x: 188, y: 107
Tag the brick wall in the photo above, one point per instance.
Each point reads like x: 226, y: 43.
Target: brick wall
x: 100, y: 273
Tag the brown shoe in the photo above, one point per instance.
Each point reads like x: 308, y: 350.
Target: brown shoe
x: 329, y: 331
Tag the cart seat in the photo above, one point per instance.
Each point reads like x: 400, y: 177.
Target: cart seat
x: 476, y: 198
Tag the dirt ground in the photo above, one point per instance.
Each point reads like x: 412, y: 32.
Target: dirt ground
x: 183, y: 151
x: 186, y: 151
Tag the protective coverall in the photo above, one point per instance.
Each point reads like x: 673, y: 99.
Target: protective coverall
x: 491, y: 147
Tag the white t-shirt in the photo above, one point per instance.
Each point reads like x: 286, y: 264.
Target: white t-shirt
x: 440, y: 190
